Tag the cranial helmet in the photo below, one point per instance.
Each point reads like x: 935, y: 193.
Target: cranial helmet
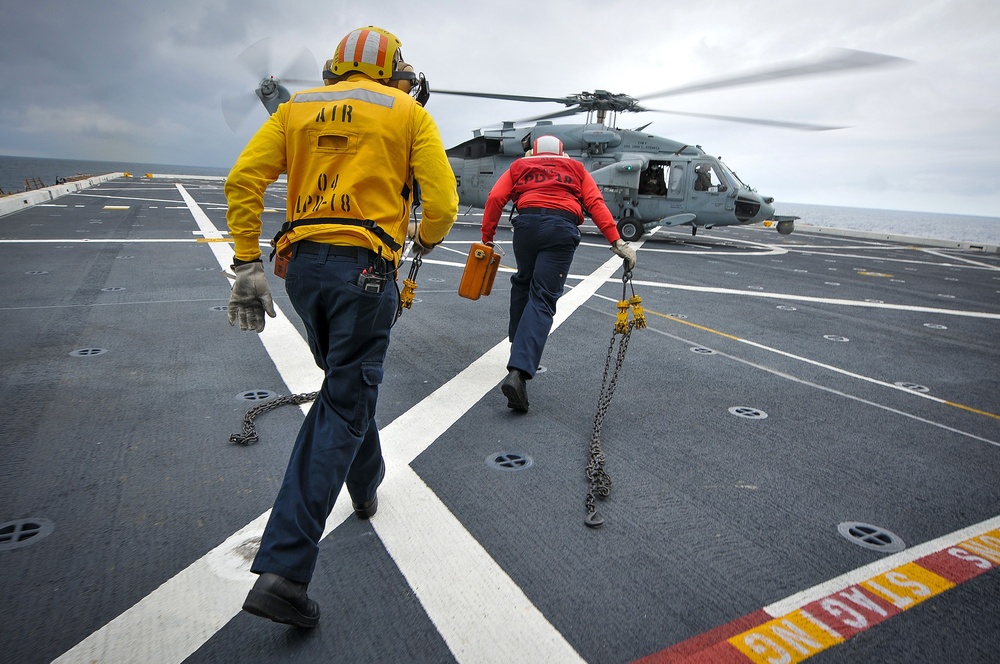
x: 547, y: 145
x: 375, y: 53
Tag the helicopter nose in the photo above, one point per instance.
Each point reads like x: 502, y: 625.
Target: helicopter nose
x: 766, y: 208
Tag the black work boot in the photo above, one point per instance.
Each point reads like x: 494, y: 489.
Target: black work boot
x: 514, y: 388
x: 282, y: 600
x: 366, y: 510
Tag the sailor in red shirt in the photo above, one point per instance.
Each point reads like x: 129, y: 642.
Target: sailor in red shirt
x: 552, y: 193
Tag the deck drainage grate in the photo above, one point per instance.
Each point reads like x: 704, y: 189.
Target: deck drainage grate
x: 23, y: 532
x: 913, y: 387
x: 871, y: 537
x: 206, y: 269
x: 785, y: 307
x: 256, y: 395
x: 835, y: 337
x: 37, y: 272
x: 703, y: 351
x: 221, y: 307
x: 113, y: 289
x: 748, y: 413
x: 87, y: 352
x: 509, y: 461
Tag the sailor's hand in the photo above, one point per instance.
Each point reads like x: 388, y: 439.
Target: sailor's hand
x: 251, y: 297
x: 419, y: 247
x: 622, y: 248
x: 411, y: 230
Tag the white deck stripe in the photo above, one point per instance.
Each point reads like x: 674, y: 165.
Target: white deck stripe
x: 800, y: 599
x: 819, y: 300
x: 471, y: 600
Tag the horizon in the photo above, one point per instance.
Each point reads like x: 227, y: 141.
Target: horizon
x: 226, y: 168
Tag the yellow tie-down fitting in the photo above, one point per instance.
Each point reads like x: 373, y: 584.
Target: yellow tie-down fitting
x: 406, y: 296
x: 640, y: 317
x: 621, y: 325
x: 410, y: 284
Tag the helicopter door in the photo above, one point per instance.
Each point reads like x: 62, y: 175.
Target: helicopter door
x: 675, y: 180
x: 652, y: 181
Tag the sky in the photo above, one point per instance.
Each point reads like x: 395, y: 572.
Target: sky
x: 144, y: 82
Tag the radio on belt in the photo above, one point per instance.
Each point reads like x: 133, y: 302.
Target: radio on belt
x: 370, y: 281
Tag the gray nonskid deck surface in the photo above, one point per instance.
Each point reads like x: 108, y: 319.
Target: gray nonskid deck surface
x: 875, y: 364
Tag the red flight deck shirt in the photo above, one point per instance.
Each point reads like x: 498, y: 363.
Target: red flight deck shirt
x: 556, y: 182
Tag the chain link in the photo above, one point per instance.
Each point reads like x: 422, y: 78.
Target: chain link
x: 600, y: 481
x: 250, y: 432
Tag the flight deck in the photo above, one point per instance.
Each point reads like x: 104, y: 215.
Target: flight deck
x: 804, y: 445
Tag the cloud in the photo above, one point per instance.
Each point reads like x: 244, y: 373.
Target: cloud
x: 145, y: 81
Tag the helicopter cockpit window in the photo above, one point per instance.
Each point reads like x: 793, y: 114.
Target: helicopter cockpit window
x: 707, y: 178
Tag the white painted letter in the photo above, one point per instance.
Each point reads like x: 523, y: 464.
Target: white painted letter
x: 962, y: 554
x: 857, y: 596
x: 761, y: 645
x: 836, y: 608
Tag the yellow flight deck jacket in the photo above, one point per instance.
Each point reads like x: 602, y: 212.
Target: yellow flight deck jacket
x: 351, y: 151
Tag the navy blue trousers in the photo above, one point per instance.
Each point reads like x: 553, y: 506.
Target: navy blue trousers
x: 543, y: 247
x: 338, y: 444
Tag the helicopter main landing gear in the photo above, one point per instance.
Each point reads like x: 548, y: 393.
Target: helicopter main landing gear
x: 630, y: 229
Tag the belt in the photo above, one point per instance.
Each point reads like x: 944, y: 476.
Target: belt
x: 310, y: 248
x: 551, y: 212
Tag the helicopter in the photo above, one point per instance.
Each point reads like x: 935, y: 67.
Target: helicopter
x: 646, y: 180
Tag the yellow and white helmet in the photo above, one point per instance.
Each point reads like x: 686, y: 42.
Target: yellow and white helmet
x: 375, y: 53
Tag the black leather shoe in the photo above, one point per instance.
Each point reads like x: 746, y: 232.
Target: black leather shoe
x: 515, y: 390
x: 365, y: 511
x: 282, y: 600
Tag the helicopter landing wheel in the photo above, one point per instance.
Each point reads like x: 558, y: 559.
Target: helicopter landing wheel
x: 630, y: 229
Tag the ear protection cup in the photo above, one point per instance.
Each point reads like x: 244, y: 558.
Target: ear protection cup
x: 403, y: 77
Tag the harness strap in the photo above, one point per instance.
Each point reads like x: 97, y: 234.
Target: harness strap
x: 367, y: 224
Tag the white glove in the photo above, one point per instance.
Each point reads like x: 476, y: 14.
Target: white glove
x: 419, y: 248
x: 251, y: 297
x: 622, y: 248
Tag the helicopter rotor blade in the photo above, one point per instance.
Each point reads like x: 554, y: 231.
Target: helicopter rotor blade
x: 840, y: 59
x: 558, y: 114
x: 303, y: 70
x: 490, y: 95
x: 800, y: 126
x: 236, y: 108
x: 256, y: 58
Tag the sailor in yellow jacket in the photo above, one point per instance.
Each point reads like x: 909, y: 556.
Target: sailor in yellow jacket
x: 353, y: 150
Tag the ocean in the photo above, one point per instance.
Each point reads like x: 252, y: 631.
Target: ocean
x: 985, y: 230
x: 15, y: 170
